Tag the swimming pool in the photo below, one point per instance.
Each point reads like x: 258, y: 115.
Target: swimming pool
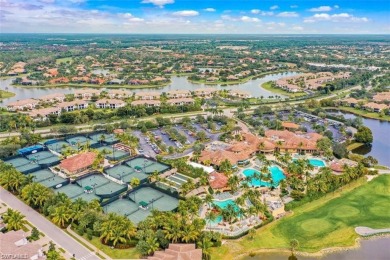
x: 317, y: 162
x: 222, y: 205
x: 276, y: 174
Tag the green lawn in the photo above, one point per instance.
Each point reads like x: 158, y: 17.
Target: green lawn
x: 130, y: 253
x: 268, y: 86
x: 327, y: 222
x: 353, y: 146
x: 64, y: 60
x: 6, y: 94
x: 361, y: 112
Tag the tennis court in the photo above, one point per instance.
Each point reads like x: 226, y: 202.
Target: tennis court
x: 113, y: 154
x: 47, y: 178
x: 44, y: 158
x: 74, y: 191
x: 103, y: 187
x: 146, y: 165
x: 23, y: 165
x: 105, y: 138
x: 125, y: 173
x: 154, y: 198
x: 59, y: 146
x: 18, y: 161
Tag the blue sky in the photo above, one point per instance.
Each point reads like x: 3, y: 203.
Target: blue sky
x: 196, y: 16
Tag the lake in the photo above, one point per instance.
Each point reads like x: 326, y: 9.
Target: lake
x: 252, y: 86
x: 373, y: 249
x: 380, y: 148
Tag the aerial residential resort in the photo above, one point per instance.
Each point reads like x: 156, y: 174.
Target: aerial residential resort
x: 194, y: 130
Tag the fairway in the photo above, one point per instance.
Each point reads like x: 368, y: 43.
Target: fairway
x: 323, y: 223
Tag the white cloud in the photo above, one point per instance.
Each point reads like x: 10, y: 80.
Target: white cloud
x: 186, y: 13
x: 209, y: 10
x: 323, y: 8
x: 248, y: 19
x: 288, y: 14
x: 342, y: 17
x: 336, y: 7
x: 46, y: 1
x: 274, y: 7
x: 263, y: 13
x: 293, y: 6
x: 297, y: 28
x: 159, y: 3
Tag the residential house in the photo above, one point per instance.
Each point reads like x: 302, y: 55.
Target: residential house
x: 147, y: 95
x: 179, y: 94
x: 22, y: 104
x: 119, y: 93
x: 147, y: 103
x: 181, y: 101
x: 110, y: 103
x: 86, y: 93
x: 14, y: 244
x: 73, y: 105
x: 178, y: 252
x: 43, y: 113
x: 55, y: 97
x: 205, y: 92
x: 371, y: 106
x: 240, y: 94
x: 352, y: 102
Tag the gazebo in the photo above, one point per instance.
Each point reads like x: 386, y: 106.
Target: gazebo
x: 88, y: 189
x: 143, y: 205
x: 138, y: 168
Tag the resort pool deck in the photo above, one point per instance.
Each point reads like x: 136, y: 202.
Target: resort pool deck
x: 221, y: 204
x: 276, y: 174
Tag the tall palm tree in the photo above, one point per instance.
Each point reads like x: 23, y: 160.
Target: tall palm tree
x: 153, y: 244
x: 14, y: 219
x: 62, y: 215
x: 205, y: 244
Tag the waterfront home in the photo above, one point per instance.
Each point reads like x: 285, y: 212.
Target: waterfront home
x: 22, y: 104
x: 86, y: 93
x: 55, y: 97
x: 179, y: 94
x: 181, y: 101
x: 110, y: 103
x: 59, y: 80
x: 43, y: 113
x: 382, y: 97
x: 119, y: 93
x: 80, y: 79
x: 352, y: 102
x: 240, y: 94
x: 78, y: 163
x: 73, y: 105
x: 147, y: 103
x: 371, y: 106
x: 150, y: 95
x: 205, y: 92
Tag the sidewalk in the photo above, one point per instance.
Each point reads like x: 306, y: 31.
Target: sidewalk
x: 87, y: 243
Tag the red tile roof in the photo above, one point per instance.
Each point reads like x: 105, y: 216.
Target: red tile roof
x: 218, y: 180
x: 78, y: 162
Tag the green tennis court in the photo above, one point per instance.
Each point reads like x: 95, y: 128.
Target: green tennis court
x: 59, y: 146
x: 18, y: 161
x: 125, y: 173
x: 113, y: 154
x: 47, y: 178
x: 155, y: 199
x: 74, y: 191
x: 40, y: 155
x: 146, y: 165
x: 31, y: 167
x: 107, y: 138
x: 103, y: 187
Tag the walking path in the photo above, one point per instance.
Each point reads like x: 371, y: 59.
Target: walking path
x: 58, y: 236
x: 366, y: 231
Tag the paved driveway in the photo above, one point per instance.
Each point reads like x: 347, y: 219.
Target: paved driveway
x: 54, y: 233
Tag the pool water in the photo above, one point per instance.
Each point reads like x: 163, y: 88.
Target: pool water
x: 317, y: 162
x: 223, y: 205
x: 276, y: 174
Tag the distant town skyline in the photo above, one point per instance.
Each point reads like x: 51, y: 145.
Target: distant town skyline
x: 195, y: 17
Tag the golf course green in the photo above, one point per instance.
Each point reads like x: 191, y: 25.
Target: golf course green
x: 324, y: 223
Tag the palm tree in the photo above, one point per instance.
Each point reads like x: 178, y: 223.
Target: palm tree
x: 233, y: 183
x: 205, y: 244
x: 62, y: 215
x: 208, y: 200
x: 153, y: 244
x: 14, y: 219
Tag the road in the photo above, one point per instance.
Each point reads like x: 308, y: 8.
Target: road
x: 54, y: 233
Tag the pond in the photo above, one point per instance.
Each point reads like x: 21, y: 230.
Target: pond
x: 377, y: 248
x: 380, y: 148
x: 253, y: 86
